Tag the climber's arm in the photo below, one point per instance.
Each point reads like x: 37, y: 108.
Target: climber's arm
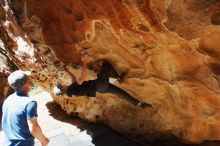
x: 83, y: 76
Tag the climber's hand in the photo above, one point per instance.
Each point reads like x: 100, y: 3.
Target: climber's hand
x: 85, y: 59
x: 59, y: 89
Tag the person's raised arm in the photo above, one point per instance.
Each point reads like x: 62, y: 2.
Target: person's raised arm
x: 83, y: 76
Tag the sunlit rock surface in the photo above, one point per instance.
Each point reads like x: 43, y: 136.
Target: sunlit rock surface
x: 167, y: 49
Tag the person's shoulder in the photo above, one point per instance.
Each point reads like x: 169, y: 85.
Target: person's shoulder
x: 28, y: 99
x: 13, y: 94
x: 31, y: 99
x: 34, y: 102
x: 31, y: 104
x: 9, y: 99
x: 10, y: 96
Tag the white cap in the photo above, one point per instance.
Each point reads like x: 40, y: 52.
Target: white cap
x: 18, y: 78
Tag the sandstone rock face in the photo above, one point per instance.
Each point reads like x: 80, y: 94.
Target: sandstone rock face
x: 167, y: 49
x: 3, y: 85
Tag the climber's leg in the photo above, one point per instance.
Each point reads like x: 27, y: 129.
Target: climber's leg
x: 118, y: 91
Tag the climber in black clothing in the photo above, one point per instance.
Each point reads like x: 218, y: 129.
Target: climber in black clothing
x: 101, y: 85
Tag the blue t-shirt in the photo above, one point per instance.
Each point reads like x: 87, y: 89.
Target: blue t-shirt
x: 16, y: 110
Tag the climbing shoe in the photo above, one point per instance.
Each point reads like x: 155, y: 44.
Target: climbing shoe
x: 144, y: 105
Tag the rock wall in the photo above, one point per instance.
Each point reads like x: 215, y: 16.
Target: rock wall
x: 2, y: 92
x: 168, y: 51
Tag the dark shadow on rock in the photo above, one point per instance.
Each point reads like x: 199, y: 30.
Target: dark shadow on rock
x: 177, y: 143
x: 0, y: 117
x: 103, y: 135
x: 215, y: 19
x: 0, y: 121
x: 57, y: 113
x: 211, y: 143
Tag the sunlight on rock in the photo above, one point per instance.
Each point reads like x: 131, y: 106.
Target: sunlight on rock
x: 24, y: 48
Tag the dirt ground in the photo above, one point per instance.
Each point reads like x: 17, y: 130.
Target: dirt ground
x: 54, y: 121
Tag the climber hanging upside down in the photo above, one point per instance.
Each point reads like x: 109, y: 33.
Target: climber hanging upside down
x: 89, y: 88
